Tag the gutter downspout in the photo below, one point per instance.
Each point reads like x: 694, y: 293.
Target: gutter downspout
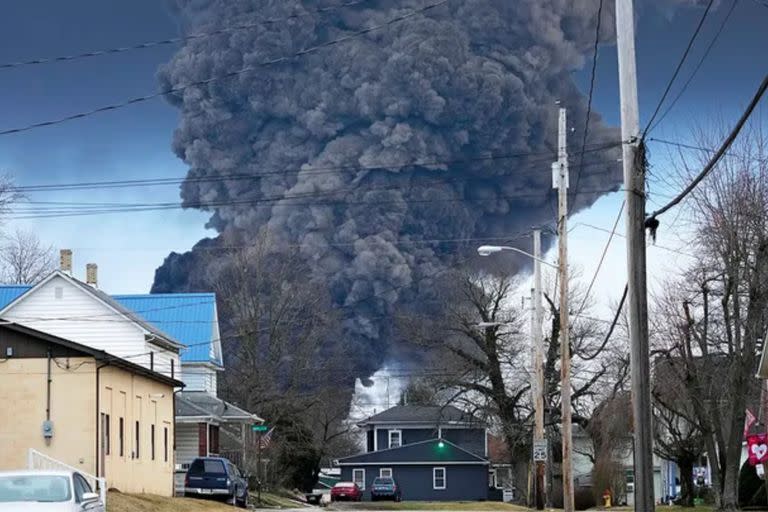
x: 174, y: 438
x: 48, y: 397
x: 98, y: 417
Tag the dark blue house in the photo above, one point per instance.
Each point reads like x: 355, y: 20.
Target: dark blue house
x: 434, y: 453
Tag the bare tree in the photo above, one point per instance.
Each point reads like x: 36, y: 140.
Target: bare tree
x: 276, y: 320
x: 713, y: 322
x: 23, y: 258
x: 483, y: 345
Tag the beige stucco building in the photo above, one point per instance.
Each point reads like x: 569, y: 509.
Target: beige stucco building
x: 104, y: 415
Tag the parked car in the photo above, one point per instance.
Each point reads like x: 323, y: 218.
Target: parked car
x: 216, y: 478
x: 385, y: 488
x: 47, y: 491
x: 346, y: 491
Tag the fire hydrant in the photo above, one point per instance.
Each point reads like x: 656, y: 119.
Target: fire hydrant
x: 607, y: 498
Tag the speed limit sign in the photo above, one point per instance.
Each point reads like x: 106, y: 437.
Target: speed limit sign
x: 539, y: 451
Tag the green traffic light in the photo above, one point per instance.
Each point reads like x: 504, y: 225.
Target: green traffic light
x: 441, y: 444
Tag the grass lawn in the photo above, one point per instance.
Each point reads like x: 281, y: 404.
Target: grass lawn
x: 117, y: 502
x: 429, y: 505
x: 664, y: 508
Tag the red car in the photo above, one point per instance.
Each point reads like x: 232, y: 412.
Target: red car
x: 346, y: 491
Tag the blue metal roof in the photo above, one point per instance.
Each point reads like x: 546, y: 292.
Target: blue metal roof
x: 11, y: 292
x: 187, y: 317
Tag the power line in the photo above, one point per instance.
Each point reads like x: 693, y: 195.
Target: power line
x: 246, y: 69
x: 678, y: 68
x: 698, y: 66
x: 91, y: 185
x: 610, y: 329
x: 622, y: 235
x: 720, y: 152
x: 271, y: 201
x: 175, y: 40
x: 602, y: 259
x: 589, y: 100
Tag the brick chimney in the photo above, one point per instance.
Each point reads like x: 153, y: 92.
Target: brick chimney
x: 91, y: 275
x: 65, y: 261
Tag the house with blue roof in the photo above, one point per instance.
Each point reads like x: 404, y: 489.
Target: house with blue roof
x: 177, y: 336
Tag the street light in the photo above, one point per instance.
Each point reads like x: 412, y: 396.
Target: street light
x: 487, y: 250
x: 537, y: 386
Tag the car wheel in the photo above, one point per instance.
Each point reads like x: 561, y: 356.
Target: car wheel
x: 233, y: 500
x: 244, y: 501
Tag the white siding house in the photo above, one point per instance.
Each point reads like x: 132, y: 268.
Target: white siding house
x: 65, y: 307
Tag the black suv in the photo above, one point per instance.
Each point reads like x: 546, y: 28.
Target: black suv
x: 217, y: 478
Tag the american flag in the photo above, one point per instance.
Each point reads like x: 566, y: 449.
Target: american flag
x: 266, y: 439
x: 749, y: 420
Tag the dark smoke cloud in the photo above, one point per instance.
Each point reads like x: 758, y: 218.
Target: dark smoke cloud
x: 470, y: 79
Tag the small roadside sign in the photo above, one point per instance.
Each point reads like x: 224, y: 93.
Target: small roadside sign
x: 540, y: 451
x: 260, y: 428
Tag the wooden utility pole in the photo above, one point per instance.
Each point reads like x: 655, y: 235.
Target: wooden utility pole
x: 538, y: 368
x: 634, y: 184
x: 560, y: 168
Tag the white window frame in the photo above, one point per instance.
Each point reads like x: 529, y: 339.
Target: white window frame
x: 399, y: 438
x: 434, y: 479
x: 354, y: 472
x: 382, y: 470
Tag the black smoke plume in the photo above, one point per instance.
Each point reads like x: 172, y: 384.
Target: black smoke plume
x: 468, y: 91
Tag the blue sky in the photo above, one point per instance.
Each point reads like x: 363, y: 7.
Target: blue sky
x: 135, y: 142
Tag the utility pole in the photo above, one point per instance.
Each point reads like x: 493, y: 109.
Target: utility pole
x: 538, y: 365
x: 560, y: 179
x: 634, y: 184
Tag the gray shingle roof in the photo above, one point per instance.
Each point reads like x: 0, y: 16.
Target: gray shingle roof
x: 425, y: 452
x: 201, y: 403
x: 431, y: 414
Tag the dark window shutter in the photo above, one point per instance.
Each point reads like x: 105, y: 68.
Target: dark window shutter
x: 202, y: 440
x: 214, y: 438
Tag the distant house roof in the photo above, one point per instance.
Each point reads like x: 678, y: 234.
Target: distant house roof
x: 195, y: 405
x: 424, y: 452
x: 189, y: 317
x: 423, y: 414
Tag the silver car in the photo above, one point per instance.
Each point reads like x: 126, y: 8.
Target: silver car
x: 47, y: 491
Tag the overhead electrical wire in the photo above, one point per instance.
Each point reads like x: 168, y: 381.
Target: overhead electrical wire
x: 271, y: 201
x: 698, y: 66
x: 602, y: 259
x: 306, y: 170
x: 231, y: 74
x: 589, y: 100
x: 720, y: 152
x: 678, y: 68
x: 176, y: 40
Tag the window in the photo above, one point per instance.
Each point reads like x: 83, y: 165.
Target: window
x: 165, y: 444
x: 137, y: 440
x: 395, y: 438
x: 107, y: 435
x: 81, y: 487
x: 385, y: 473
x: 438, y: 478
x: 152, y: 440
x: 121, y: 436
x: 358, y: 476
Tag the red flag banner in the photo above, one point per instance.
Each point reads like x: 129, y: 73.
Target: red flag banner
x: 757, y: 446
